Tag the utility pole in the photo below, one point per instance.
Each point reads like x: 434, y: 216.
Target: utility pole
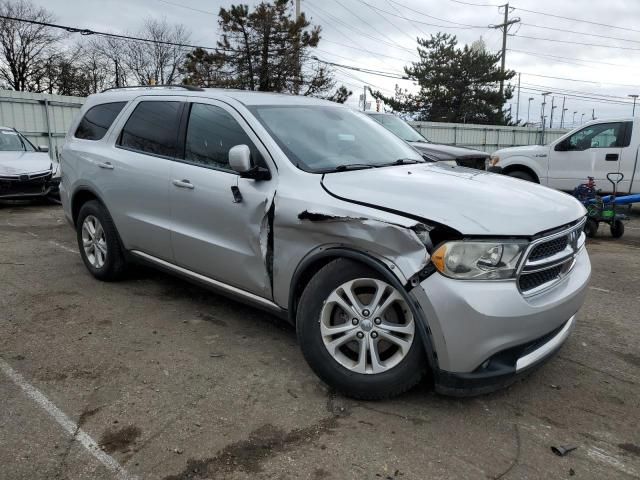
x: 297, y: 9
x: 563, y: 110
x: 364, y: 99
x: 542, y: 115
x: 573, y: 120
x: 529, y: 109
x: 518, y: 104
x: 582, y: 119
x: 505, y: 29
x: 635, y: 97
x: 553, y: 107
x: 593, y: 114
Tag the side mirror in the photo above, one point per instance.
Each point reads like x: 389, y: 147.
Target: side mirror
x: 562, y: 146
x: 43, y: 148
x: 240, y: 161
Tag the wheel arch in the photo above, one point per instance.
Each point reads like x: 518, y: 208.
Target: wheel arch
x: 81, y: 196
x: 521, y: 167
x: 311, y: 264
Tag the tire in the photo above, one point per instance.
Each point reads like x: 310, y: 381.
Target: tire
x: 591, y: 228
x: 399, y: 368
x: 617, y: 229
x: 101, y: 251
x: 522, y: 175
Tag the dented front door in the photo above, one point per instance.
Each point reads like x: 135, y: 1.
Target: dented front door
x: 220, y: 221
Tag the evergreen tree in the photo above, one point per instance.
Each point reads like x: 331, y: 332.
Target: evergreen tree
x: 459, y: 85
x: 264, y: 49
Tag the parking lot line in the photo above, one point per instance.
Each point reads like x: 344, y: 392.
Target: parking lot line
x: 66, y: 423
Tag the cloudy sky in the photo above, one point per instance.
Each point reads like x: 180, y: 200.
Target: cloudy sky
x: 593, y: 55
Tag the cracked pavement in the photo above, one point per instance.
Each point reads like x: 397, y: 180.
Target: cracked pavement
x: 176, y: 382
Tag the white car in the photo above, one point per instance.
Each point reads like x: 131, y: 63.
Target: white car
x: 592, y: 150
x: 26, y: 171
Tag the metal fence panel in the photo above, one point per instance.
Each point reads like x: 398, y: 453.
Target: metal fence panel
x: 488, y: 138
x: 43, y: 118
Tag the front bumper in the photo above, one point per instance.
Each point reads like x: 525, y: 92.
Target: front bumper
x: 486, y: 334
x: 28, y: 186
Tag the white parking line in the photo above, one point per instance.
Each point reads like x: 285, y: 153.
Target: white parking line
x: 66, y: 423
x: 600, y: 289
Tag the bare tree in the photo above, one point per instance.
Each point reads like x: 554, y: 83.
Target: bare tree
x: 157, y: 63
x: 113, y: 52
x: 25, y: 48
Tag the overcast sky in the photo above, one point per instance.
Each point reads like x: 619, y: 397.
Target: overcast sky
x: 364, y: 33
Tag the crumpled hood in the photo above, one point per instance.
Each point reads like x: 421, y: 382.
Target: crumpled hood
x: 446, y: 152
x: 469, y: 201
x: 527, y: 150
x: 16, y: 163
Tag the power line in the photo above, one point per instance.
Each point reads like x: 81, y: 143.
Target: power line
x: 588, y: 34
x: 353, y: 29
x: 435, y: 18
x: 577, y: 20
x: 375, y: 10
x: 580, y: 80
x: 188, y: 8
x: 377, y: 54
x: 475, y: 4
x: 545, y: 55
x: 366, y: 70
x: 417, y: 21
x: 574, y: 43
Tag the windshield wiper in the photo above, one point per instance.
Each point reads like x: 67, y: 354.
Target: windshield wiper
x: 349, y: 166
x: 402, y: 161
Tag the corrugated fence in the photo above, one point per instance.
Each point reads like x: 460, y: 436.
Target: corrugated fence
x: 45, y: 119
x: 488, y: 138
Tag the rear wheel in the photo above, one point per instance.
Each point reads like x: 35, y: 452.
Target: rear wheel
x: 358, y: 334
x: 522, y: 175
x: 591, y: 227
x: 617, y: 229
x: 99, y: 243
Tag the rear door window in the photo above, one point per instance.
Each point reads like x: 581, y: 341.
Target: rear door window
x: 152, y: 128
x: 97, y: 120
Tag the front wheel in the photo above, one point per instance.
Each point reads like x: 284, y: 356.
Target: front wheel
x: 358, y: 334
x: 591, y: 227
x: 617, y: 229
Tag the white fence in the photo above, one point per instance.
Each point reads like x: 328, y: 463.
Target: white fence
x: 488, y: 138
x: 44, y: 119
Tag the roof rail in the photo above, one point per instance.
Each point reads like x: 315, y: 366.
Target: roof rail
x: 191, y: 88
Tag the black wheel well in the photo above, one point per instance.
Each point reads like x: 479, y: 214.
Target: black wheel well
x: 521, y: 168
x: 79, y: 198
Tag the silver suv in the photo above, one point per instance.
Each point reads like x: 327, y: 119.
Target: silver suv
x: 389, y: 267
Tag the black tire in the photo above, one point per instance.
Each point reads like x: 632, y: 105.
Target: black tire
x: 522, y: 175
x: 394, y: 381
x: 591, y: 228
x: 114, y: 263
x: 617, y: 229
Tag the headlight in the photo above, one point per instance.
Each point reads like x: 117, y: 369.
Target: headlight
x: 478, y: 260
x: 494, y: 160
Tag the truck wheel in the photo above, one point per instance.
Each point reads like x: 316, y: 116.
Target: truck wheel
x: 521, y: 175
x: 591, y: 228
x: 617, y: 229
x: 358, y: 334
x: 98, y: 242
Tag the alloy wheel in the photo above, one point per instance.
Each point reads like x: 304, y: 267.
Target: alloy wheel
x: 94, y: 241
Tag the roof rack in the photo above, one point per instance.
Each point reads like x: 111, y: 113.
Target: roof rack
x: 191, y: 88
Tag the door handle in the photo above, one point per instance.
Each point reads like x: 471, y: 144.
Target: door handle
x: 105, y: 165
x: 183, y: 184
x: 611, y: 157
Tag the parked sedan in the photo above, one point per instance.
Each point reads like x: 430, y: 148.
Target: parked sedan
x: 26, y: 171
x: 464, y: 157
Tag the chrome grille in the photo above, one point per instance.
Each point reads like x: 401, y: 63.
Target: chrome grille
x: 549, y: 259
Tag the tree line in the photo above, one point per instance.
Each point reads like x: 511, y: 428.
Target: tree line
x: 264, y: 48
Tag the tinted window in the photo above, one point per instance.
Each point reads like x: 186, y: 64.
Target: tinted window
x: 211, y: 132
x: 603, y: 135
x: 152, y: 128
x: 97, y: 120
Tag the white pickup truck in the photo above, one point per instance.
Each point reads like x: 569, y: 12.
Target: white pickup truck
x: 592, y: 150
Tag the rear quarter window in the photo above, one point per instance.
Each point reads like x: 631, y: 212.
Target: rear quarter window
x: 97, y: 120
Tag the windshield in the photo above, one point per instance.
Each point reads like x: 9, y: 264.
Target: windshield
x: 12, y: 141
x: 326, y: 138
x: 400, y: 128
